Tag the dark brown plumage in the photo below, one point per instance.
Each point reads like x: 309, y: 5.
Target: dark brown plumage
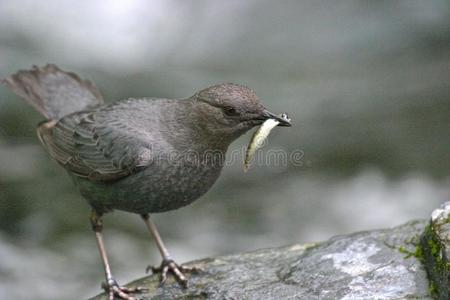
x: 139, y: 155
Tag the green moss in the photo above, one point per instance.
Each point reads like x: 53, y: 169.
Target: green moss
x: 434, y: 246
x: 408, y: 253
x: 431, y: 253
x: 433, y: 289
x: 417, y: 253
x: 403, y: 250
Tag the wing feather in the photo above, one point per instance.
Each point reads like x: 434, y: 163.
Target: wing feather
x: 97, y: 146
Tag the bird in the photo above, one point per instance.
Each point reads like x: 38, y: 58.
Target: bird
x: 139, y: 155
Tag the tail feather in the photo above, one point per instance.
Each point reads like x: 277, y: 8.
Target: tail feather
x: 53, y: 92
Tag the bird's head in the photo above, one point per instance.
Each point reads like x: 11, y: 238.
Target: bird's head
x: 231, y: 109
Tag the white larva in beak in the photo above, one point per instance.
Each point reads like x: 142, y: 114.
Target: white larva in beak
x: 258, y: 139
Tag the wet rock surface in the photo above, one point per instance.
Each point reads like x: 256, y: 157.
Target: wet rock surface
x: 364, y: 265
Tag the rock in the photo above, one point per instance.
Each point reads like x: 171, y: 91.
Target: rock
x: 435, y: 246
x: 365, y: 265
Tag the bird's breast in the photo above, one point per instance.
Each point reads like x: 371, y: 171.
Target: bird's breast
x: 166, y: 184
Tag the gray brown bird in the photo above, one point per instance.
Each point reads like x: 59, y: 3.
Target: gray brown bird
x: 144, y: 155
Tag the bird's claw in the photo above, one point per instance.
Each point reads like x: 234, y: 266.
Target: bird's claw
x: 114, y: 290
x: 168, y: 265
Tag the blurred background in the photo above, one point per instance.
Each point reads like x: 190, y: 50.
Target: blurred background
x: 367, y: 84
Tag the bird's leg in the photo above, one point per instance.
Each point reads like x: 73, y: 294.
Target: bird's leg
x: 167, y: 264
x: 110, y: 286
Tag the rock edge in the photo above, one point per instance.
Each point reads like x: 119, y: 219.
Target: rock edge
x: 379, y: 264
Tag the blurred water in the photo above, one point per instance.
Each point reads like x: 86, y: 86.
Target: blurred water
x: 366, y: 83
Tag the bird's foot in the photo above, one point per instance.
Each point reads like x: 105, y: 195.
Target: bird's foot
x: 115, y: 291
x: 168, y: 265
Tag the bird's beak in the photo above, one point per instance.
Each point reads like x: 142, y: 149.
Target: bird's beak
x: 283, y: 122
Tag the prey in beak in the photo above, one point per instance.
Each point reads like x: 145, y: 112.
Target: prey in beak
x: 271, y: 121
x: 283, y: 119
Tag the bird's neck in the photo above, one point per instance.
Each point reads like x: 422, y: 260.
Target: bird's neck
x: 189, y: 133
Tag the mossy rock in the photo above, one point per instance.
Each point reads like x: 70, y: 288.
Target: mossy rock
x: 435, y: 252
x: 365, y: 265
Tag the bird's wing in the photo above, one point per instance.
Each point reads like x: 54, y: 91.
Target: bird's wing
x: 97, y: 145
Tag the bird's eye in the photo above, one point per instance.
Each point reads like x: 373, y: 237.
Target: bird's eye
x: 230, y: 111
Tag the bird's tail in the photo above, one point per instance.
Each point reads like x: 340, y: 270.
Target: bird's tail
x: 53, y: 92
